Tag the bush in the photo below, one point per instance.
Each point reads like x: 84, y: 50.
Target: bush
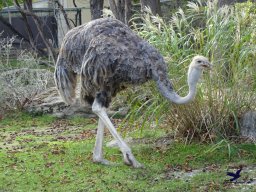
x: 226, y: 36
x: 21, y: 79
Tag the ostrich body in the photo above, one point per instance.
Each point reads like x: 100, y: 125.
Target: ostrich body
x: 108, y: 56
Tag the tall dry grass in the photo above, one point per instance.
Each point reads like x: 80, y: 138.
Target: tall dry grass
x: 227, y: 36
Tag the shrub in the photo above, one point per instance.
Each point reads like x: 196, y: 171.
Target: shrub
x: 21, y: 79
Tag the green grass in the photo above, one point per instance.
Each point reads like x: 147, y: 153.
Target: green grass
x: 43, y: 153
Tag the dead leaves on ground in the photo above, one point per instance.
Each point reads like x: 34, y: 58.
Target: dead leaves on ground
x: 59, y: 130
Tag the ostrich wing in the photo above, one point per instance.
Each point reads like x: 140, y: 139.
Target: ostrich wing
x: 113, y: 65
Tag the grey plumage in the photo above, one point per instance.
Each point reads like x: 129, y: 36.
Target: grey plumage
x: 108, y: 56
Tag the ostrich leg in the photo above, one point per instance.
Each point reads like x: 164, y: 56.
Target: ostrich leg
x: 98, y: 153
x: 100, y: 111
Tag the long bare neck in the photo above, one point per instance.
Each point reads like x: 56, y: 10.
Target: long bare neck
x: 167, y: 91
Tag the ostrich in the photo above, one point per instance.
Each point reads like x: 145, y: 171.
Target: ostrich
x: 108, y: 56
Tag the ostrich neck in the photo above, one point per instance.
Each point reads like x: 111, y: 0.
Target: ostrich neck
x: 166, y: 89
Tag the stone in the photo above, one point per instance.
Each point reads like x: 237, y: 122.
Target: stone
x: 50, y: 102
x: 248, y: 125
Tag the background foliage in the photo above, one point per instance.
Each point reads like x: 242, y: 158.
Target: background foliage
x: 226, y: 36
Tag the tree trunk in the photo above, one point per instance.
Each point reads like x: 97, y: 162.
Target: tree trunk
x: 154, y: 5
x: 128, y: 11
x: 96, y: 7
x: 121, y: 9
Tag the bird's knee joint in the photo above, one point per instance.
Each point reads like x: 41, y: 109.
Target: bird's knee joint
x: 96, y: 108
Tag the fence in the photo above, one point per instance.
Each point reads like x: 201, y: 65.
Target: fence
x: 54, y: 27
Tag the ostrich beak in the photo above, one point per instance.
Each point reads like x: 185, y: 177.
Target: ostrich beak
x: 207, y: 65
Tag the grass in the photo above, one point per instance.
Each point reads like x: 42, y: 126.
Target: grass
x: 43, y: 153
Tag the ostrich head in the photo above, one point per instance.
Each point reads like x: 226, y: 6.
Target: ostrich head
x: 198, y: 64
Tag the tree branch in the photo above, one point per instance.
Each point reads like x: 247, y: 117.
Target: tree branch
x: 121, y: 9
x: 39, y: 25
x: 28, y: 30
x: 60, y: 6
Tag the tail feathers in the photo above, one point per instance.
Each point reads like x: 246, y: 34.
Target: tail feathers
x: 66, y: 83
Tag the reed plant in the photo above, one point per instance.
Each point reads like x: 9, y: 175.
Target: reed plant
x: 226, y: 35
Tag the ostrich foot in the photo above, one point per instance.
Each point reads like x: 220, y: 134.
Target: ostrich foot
x: 130, y: 160
x: 102, y: 161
